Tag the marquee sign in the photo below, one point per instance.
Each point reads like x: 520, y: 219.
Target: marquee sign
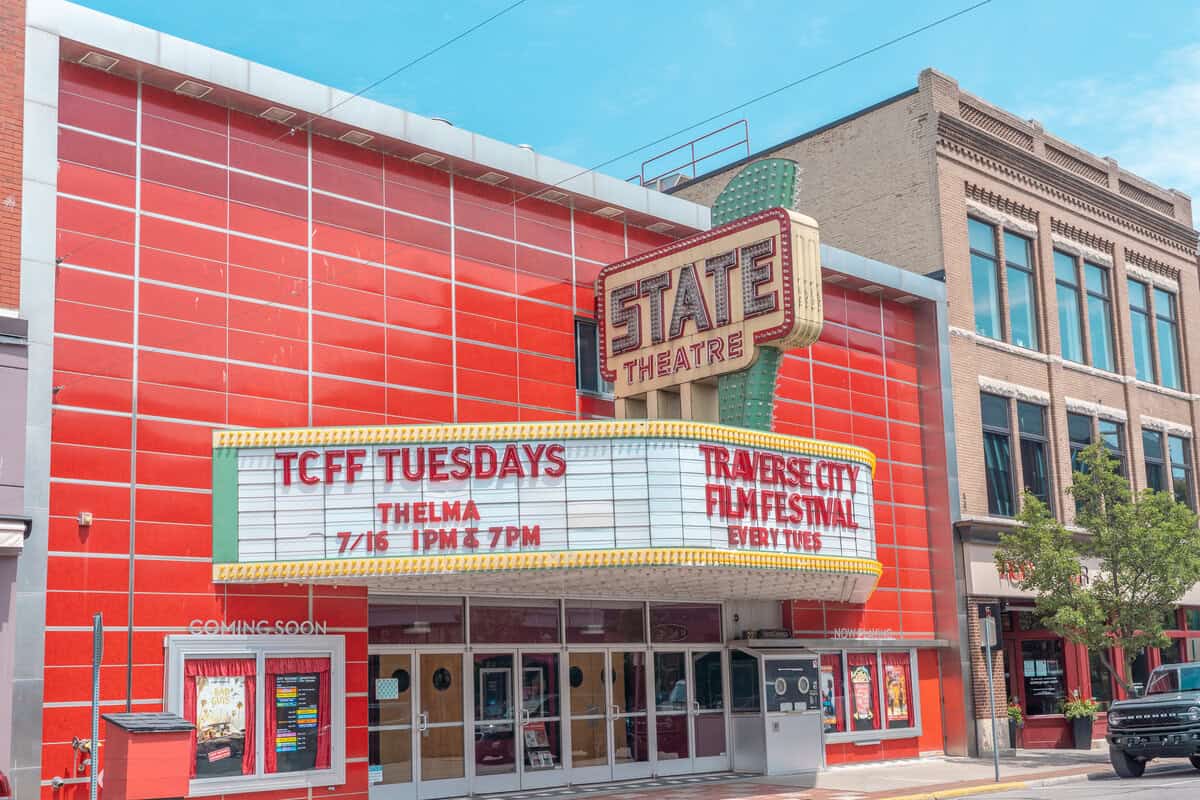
x: 701, y: 306
x: 401, y: 499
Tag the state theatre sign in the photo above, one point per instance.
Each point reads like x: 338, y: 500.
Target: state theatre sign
x: 703, y: 306
x: 614, y: 508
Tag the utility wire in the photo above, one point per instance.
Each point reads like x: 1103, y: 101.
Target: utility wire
x: 810, y: 76
x: 403, y: 67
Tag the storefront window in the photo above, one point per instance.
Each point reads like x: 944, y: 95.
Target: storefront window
x: 416, y: 622
x: 297, y: 723
x: 897, y: 689
x: 296, y: 726
x: 833, y: 697
x: 594, y: 623
x: 218, y: 696
x: 1043, y: 675
x: 1101, y: 679
x: 511, y: 623
x: 684, y: 622
x: 1140, y: 672
x: 863, y: 675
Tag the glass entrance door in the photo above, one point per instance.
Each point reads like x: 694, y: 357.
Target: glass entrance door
x: 415, y: 724
x: 610, y: 736
x: 689, y: 705
x: 540, y: 711
x: 441, y: 739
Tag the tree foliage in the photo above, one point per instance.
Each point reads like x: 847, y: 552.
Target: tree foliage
x: 1147, y: 548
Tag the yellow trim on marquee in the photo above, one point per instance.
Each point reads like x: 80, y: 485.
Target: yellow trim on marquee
x: 559, y: 559
x: 517, y: 431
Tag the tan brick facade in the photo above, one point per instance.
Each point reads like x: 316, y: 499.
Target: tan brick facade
x: 897, y: 182
x: 12, y: 95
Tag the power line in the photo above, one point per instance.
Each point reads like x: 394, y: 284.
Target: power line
x: 403, y: 67
x: 810, y: 76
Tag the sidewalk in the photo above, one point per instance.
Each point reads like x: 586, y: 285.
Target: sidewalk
x: 924, y: 779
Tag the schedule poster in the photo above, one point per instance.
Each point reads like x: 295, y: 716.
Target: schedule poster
x: 296, y: 721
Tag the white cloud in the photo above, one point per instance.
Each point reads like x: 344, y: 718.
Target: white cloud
x: 1149, y: 121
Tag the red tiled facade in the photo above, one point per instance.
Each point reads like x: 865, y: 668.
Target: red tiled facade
x: 218, y: 272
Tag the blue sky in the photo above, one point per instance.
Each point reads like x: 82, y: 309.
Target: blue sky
x: 586, y: 81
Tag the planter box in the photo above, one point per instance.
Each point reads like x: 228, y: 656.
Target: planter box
x: 1082, y: 730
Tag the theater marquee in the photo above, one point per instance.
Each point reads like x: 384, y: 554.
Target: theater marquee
x: 701, y: 306
x: 685, y: 498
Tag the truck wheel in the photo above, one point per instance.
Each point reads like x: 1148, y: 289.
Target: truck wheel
x: 1195, y: 761
x: 1124, y: 764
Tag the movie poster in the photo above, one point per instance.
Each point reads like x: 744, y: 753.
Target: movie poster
x: 895, y: 685
x: 862, y: 688
x: 220, y: 725
x: 829, y: 698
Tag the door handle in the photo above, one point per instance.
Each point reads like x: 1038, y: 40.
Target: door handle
x: 423, y: 721
x: 615, y: 710
x: 695, y: 706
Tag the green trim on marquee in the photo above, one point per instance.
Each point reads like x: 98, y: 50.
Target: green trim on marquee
x: 747, y: 398
x: 225, y: 505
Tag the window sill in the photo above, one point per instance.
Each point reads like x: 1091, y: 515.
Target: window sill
x: 207, y: 787
x: 1000, y: 344
x: 861, y: 737
x: 1159, y: 389
x: 1090, y: 370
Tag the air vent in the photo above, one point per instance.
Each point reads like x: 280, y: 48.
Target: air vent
x: 277, y: 114
x: 608, y: 212
x: 193, y: 89
x: 871, y: 288
x: 428, y: 159
x: 906, y: 299
x: 98, y: 61
x: 553, y: 195
x: 659, y: 227
x: 492, y: 178
x: 833, y: 280
x: 356, y: 138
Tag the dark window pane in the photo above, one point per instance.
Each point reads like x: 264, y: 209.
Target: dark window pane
x: 744, y: 683
x: 1033, y: 469
x: 1100, y: 329
x: 982, y: 236
x: 1101, y: 679
x: 1191, y: 618
x: 987, y: 296
x: 1044, y: 676
x: 1022, y: 309
x: 1016, y: 249
x: 998, y: 461
x: 1079, y: 429
x: 1143, y: 357
x: 601, y: 623
x: 995, y: 411
x: 1140, y: 672
x: 1137, y: 295
x: 1152, y: 444
x: 413, y: 623
x: 1095, y: 279
x: 587, y: 356
x: 514, y: 624
x: 1031, y: 419
x: 1113, y: 436
x: 1168, y: 353
x: 1181, y: 485
x: 1064, y: 268
x: 1177, y: 447
x: 685, y: 622
x: 1069, y: 326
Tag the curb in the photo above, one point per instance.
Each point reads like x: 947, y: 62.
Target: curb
x: 990, y: 788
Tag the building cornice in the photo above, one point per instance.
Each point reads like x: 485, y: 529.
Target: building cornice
x: 962, y: 138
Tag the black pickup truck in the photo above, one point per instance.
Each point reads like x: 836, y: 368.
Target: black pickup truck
x: 1162, y: 723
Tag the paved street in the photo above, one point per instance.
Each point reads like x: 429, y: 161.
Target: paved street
x: 1170, y: 781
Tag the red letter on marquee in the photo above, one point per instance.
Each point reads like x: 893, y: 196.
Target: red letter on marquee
x: 287, y: 459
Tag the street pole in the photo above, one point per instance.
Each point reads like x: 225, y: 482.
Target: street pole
x: 989, y: 633
x: 97, y: 657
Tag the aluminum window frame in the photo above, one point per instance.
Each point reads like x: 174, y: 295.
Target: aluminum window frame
x: 914, y: 696
x: 604, y: 389
x: 1012, y: 458
x: 1030, y: 269
x: 997, y: 261
x: 181, y: 647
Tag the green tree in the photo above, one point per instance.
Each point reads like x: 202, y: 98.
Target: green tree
x: 1147, y: 547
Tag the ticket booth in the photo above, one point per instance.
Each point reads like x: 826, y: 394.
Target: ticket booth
x: 776, y: 711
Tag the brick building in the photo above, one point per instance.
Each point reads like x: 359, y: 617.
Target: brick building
x: 1070, y: 282
x: 223, y: 262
